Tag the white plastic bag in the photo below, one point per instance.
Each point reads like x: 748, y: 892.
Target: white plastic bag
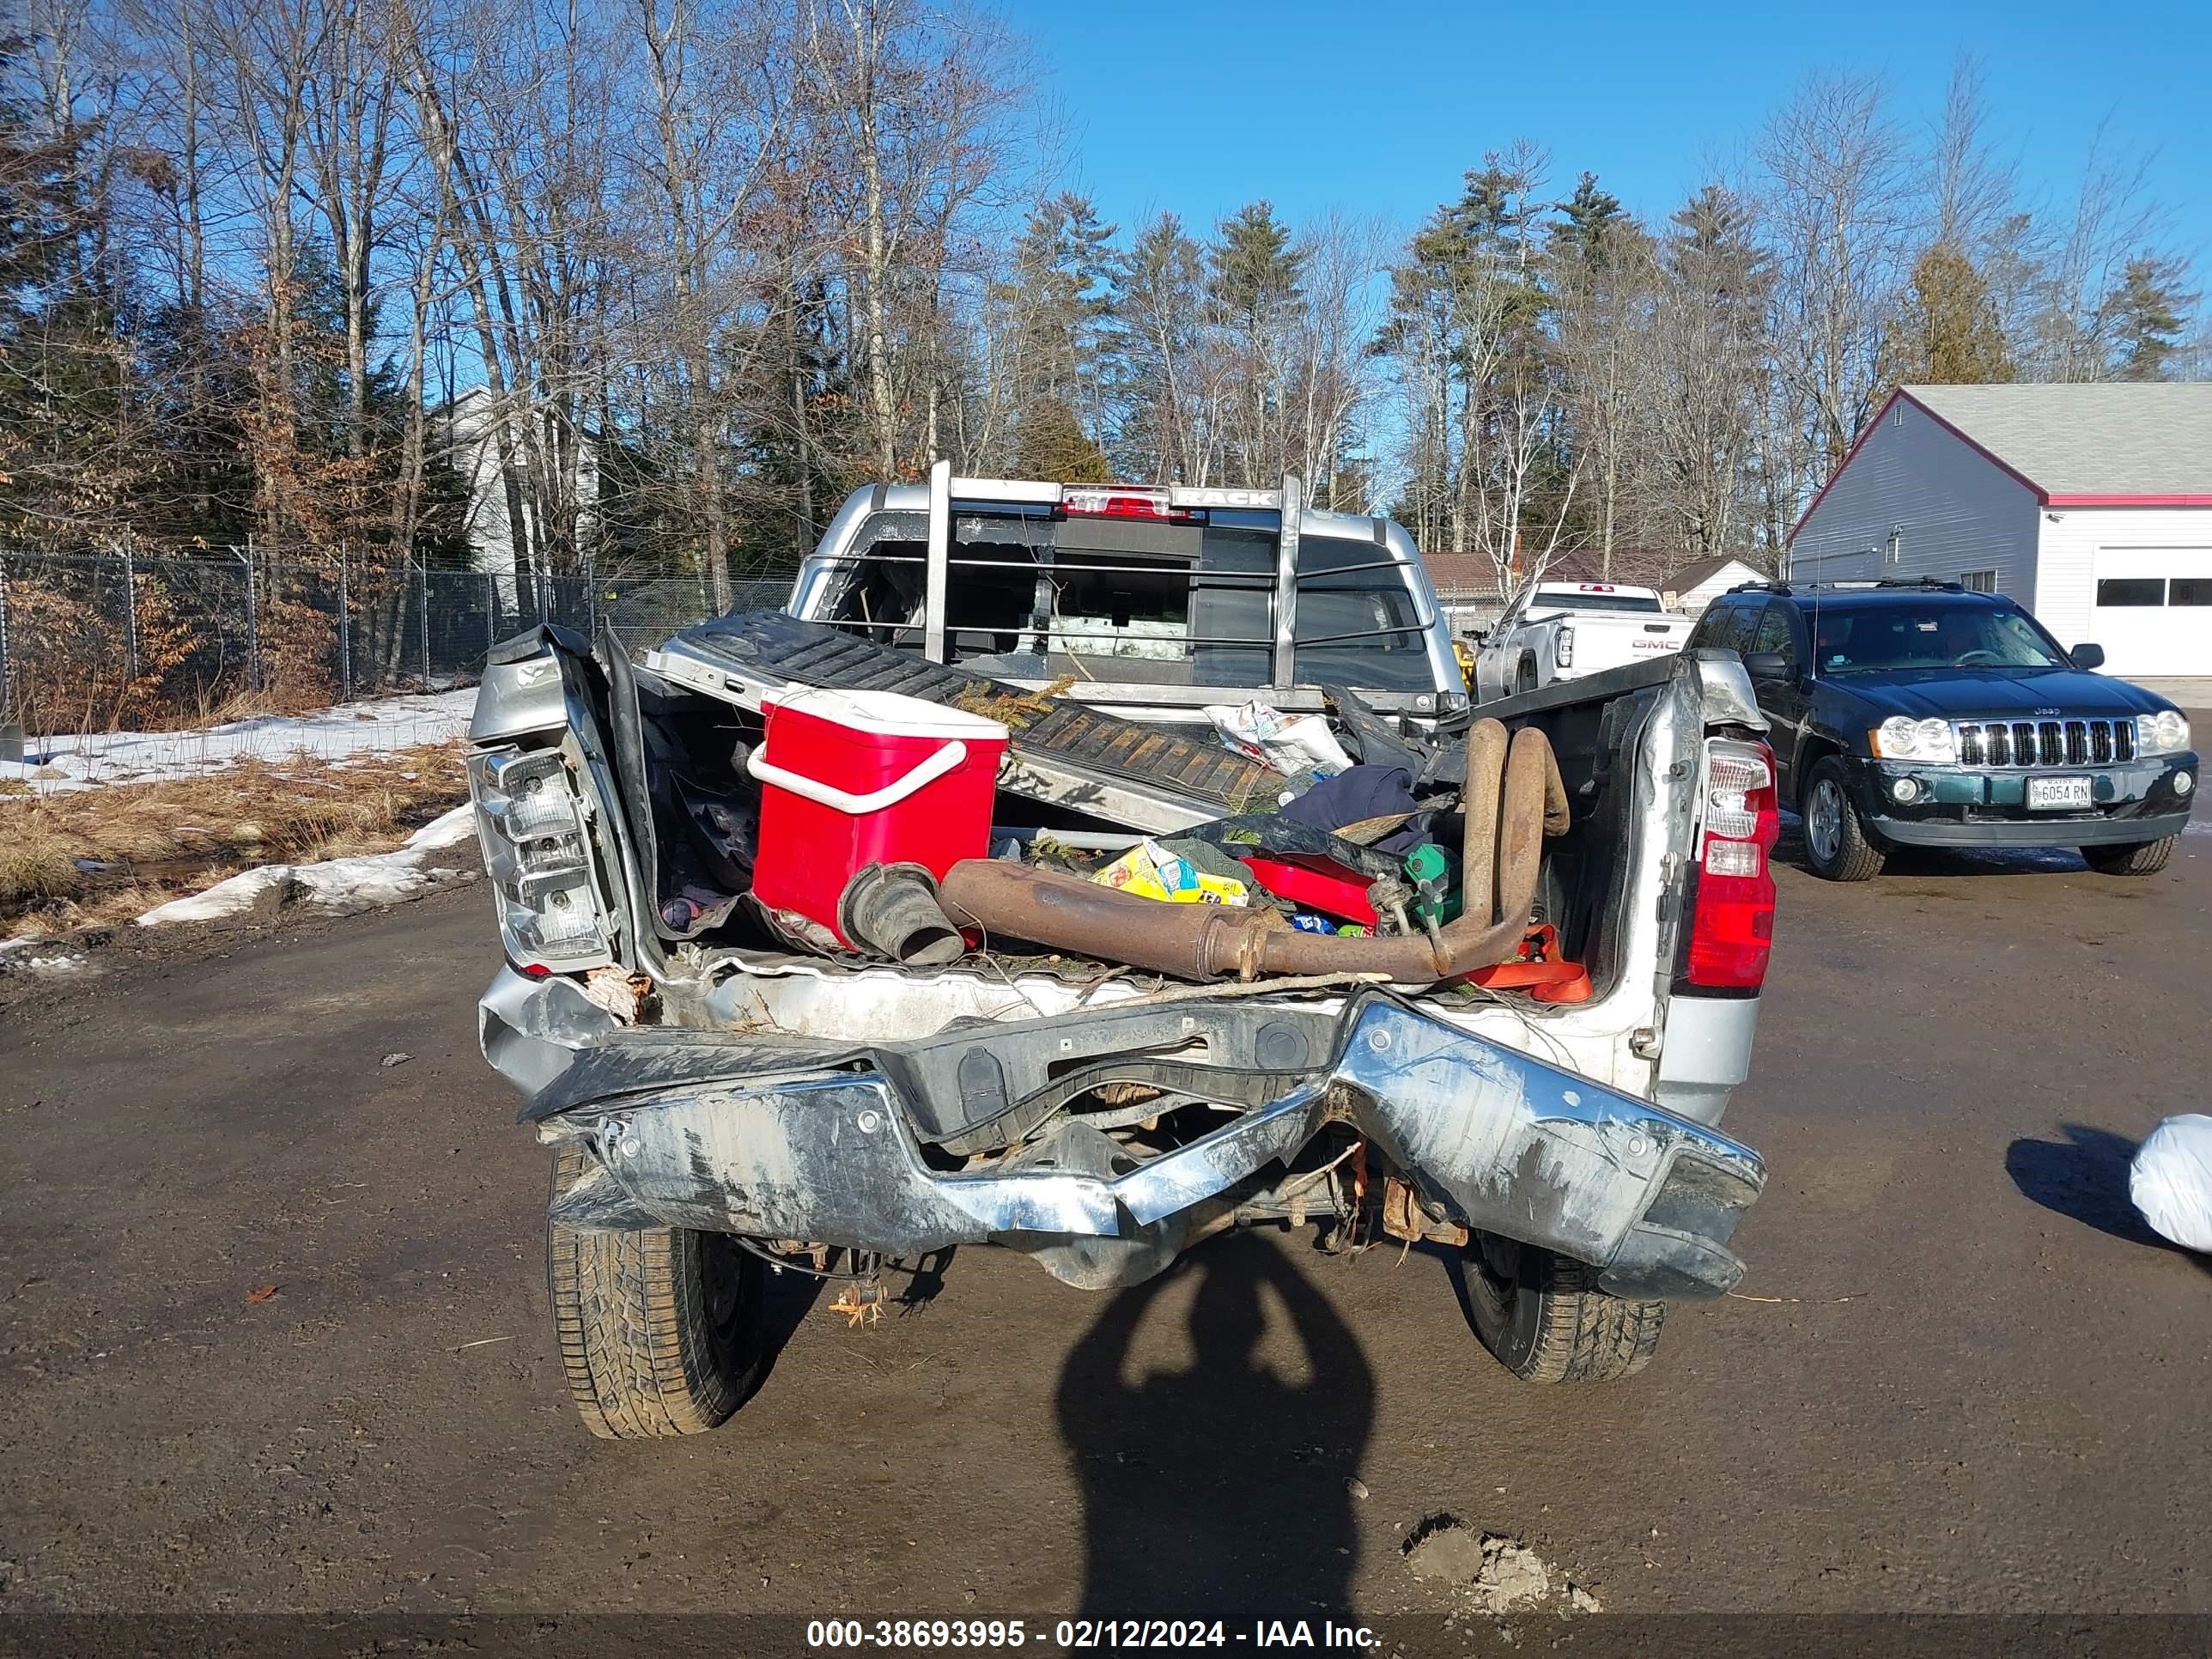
x: 2170, y: 1181
x: 1291, y: 745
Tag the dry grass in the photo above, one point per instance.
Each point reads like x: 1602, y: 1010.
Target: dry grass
x: 101, y: 855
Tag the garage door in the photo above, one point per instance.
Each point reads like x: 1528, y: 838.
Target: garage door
x: 2153, y: 610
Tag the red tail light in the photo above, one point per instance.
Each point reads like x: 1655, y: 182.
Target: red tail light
x: 1731, y: 923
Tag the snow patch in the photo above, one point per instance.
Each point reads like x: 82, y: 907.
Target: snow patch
x: 63, y: 765
x: 24, y: 956
x: 349, y: 884
x: 1494, y: 1572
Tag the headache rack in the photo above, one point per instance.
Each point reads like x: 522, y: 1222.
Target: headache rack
x: 2045, y: 742
x: 1187, y: 595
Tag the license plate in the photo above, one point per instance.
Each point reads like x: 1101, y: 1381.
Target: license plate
x: 2058, y: 791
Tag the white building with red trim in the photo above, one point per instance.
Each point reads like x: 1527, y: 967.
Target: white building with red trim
x: 2091, y: 505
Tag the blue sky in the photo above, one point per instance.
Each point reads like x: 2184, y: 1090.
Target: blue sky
x: 1379, y: 108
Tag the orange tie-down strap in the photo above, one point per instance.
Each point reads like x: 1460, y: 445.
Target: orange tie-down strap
x: 1539, y: 969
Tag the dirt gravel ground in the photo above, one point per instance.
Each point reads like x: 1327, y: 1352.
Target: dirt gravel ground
x: 1960, y: 1378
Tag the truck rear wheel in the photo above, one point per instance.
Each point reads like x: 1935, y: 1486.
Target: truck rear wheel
x: 661, y: 1329
x: 2132, y: 858
x: 1543, y: 1318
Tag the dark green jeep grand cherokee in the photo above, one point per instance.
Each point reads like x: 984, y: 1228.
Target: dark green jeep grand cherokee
x: 1922, y: 714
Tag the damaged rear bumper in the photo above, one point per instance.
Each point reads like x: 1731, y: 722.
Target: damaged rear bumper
x: 784, y: 1141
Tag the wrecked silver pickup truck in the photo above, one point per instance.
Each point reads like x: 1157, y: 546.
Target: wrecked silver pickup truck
x: 1518, y: 1056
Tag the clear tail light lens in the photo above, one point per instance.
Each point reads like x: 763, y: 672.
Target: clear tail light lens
x: 1732, y: 918
x: 1562, y: 647
x: 530, y: 820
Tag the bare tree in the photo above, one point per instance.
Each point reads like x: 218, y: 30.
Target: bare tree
x: 1331, y: 369
x: 1838, y: 217
x: 916, y: 111
x: 2113, y: 219
x: 347, y: 142
x: 1970, y: 191
x: 263, y: 57
x: 1709, y: 367
x: 1471, y: 333
x: 1608, y: 333
x: 1512, y: 509
x: 716, y: 130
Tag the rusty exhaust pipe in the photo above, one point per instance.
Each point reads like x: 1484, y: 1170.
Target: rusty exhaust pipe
x: 1487, y: 745
x: 1514, y: 789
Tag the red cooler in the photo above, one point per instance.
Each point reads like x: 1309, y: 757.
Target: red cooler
x: 855, y: 778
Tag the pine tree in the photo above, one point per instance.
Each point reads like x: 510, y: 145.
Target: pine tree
x: 1063, y: 266
x: 1592, y: 223
x: 1603, y: 268
x: 1948, y: 332
x: 1256, y: 267
x: 1051, y: 443
x: 41, y: 203
x: 1471, y: 310
x: 2148, y: 313
x: 1254, y: 287
x: 66, y: 467
x: 1707, y: 367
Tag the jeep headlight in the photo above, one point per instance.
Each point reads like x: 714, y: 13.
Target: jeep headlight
x: 539, y: 859
x: 1902, y: 737
x: 2166, y: 733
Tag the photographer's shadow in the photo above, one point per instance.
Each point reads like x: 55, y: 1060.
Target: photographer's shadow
x: 1219, y: 1490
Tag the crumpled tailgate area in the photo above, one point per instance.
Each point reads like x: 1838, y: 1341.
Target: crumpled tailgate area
x: 1501, y: 1141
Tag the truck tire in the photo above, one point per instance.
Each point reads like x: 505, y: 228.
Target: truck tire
x: 659, y: 1329
x: 1543, y: 1319
x: 1524, y: 677
x: 2130, y: 857
x: 1837, y: 845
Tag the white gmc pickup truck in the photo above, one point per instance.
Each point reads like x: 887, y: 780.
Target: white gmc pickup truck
x: 1555, y: 631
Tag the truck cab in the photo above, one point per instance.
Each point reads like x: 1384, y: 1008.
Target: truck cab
x: 1161, y: 599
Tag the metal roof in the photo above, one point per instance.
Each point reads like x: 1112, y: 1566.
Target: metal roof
x: 1471, y: 574
x: 2119, y: 439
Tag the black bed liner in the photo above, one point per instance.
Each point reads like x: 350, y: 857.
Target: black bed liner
x: 1061, y: 741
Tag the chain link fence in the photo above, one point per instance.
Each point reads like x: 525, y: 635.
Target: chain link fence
x: 103, y: 641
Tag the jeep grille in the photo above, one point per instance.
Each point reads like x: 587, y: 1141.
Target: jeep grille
x: 2045, y: 742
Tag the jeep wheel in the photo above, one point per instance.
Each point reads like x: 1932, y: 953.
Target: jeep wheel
x: 1837, y: 845
x: 661, y: 1330
x: 1544, y: 1320
x: 2131, y: 858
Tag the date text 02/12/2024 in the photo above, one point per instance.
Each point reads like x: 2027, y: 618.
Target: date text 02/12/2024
x: 1079, y: 1634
